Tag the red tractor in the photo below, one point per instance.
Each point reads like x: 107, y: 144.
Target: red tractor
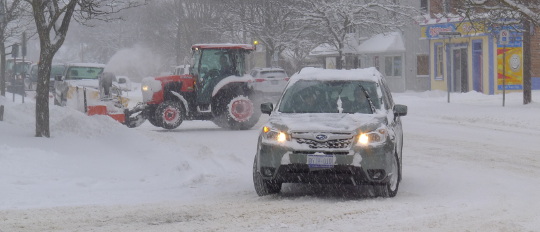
x: 215, y: 89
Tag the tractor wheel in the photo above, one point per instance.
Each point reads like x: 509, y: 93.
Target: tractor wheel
x: 154, y: 121
x: 169, y: 114
x: 240, y: 114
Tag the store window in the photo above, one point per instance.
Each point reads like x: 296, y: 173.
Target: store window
x: 438, y: 62
x: 392, y: 66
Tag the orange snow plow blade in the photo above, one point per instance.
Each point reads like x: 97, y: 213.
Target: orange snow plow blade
x: 102, y: 110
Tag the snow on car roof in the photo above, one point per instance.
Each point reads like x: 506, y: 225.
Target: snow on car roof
x: 87, y: 65
x: 310, y: 73
x: 269, y: 69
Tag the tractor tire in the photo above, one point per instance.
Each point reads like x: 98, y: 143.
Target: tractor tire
x: 154, y: 121
x: 169, y: 114
x: 240, y: 114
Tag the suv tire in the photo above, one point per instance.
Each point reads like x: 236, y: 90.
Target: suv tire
x: 263, y: 187
x: 390, y: 188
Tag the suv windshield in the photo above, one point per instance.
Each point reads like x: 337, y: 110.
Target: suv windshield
x: 316, y: 96
x: 77, y: 73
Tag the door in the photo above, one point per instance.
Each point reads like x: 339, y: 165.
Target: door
x: 464, y: 71
x: 460, y: 79
x: 478, y: 61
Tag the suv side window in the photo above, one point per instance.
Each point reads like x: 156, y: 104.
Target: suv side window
x: 387, y: 96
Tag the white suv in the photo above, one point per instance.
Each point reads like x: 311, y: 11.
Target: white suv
x: 269, y: 82
x: 332, y: 127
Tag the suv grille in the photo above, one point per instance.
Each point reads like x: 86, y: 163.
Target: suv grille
x: 335, y: 143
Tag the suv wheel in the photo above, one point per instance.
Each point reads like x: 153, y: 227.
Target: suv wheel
x: 263, y: 187
x: 390, y: 188
x: 169, y: 114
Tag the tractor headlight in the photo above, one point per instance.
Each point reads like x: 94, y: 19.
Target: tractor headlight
x: 145, y: 88
x: 275, y: 135
x: 372, y: 138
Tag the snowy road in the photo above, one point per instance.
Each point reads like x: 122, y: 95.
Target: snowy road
x: 468, y: 166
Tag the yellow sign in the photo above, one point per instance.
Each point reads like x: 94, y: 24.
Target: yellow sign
x: 513, y: 68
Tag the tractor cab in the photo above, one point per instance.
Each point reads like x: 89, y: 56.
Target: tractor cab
x: 214, y: 62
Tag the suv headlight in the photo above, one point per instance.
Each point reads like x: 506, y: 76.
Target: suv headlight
x: 272, y: 134
x: 372, y: 138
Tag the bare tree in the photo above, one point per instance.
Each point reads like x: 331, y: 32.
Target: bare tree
x: 521, y: 15
x: 52, y: 19
x: 12, y: 23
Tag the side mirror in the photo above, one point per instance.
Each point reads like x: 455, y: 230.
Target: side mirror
x: 267, y: 108
x: 58, y: 78
x: 400, y: 110
x: 122, y: 80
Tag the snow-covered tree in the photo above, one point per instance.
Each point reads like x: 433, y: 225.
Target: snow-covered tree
x: 339, y: 18
x: 52, y: 19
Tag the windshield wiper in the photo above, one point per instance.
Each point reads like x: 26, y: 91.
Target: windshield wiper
x: 368, y: 98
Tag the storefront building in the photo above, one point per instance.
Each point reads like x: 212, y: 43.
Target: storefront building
x: 465, y: 57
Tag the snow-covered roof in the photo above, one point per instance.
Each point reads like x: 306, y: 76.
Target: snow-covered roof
x: 382, y: 43
x: 225, y: 46
x: 350, y: 47
x: 324, y: 49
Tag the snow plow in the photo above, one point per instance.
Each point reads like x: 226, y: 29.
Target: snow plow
x: 87, y: 88
x: 217, y: 88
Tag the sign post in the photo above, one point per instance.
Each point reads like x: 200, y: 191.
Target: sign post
x: 504, y: 38
x: 449, y: 35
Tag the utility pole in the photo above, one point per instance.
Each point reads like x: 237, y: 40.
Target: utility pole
x: 449, y: 35
x: 2, y: 46
x: 527, y: 80
x: 504, y: 39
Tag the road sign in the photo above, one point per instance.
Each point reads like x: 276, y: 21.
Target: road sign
x: 449, y: 34
x: 504, y: 37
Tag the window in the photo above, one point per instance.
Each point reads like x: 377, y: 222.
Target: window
x: 376, y: 63
x: 392, y: 66
x: 422, y: 65
x: 424, y: 6
x: 439, y: 62
x: 351, y: 29
x: 447, y: 5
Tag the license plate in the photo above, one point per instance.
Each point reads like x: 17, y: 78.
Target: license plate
x: 274, y: 82
x: 320, y: 161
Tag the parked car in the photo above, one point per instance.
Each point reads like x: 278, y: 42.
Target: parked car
x: 332, y: 127
x: 269, y: 82
x: 76, y: 75
x: 56, y: 70
x: 181, y: 70
x: 17, y: 75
